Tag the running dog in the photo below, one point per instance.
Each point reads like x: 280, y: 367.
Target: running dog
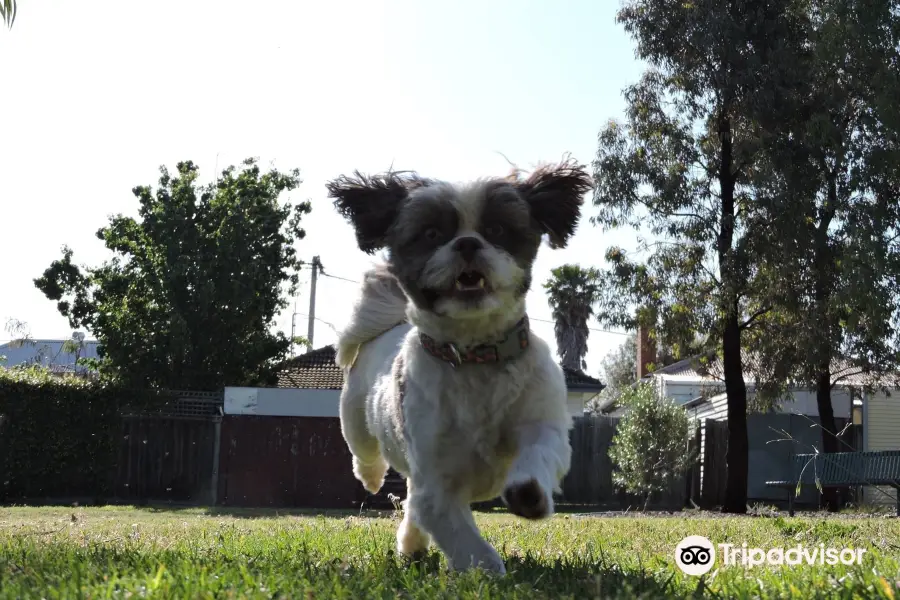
x: 444, y: 379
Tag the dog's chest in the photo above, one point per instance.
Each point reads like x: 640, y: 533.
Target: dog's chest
x: 470, y: 413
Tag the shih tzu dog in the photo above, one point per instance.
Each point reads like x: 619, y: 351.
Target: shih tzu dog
x: 444, y: 380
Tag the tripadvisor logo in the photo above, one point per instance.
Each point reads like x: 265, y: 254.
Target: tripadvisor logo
x: 696, y: 555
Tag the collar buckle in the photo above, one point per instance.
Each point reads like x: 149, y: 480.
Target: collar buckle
x: 455, y: 359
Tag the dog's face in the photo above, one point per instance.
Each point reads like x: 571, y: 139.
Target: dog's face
x: 462, y: 251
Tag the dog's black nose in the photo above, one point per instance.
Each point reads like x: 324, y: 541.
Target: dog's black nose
x: 468, y: 246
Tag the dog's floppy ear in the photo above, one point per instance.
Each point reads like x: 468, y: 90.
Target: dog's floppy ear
x: 372, y: 203
x: 555, y: 194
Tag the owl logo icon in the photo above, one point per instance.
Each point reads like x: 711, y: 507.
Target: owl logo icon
x: 695, y: 555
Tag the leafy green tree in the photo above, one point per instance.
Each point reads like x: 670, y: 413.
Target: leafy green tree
x: 834, y: 170
x: 571, y: 293
x: 8, y: 12
x: 650, y: 446
x: 197, y: 281
x: 681, y: 165
x: 302, y: 342
x: 75, y: 346
x: 619, y: 369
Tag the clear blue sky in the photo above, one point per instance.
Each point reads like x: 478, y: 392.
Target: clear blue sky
x: 97, y: 95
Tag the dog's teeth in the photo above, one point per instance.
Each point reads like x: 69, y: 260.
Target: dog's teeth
x: 481, y: 282
x: 459, y: 285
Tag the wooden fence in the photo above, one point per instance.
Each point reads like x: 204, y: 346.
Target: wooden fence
x: 304, y: 462
x: 167, y: 459
x: 712, y: 440
x: 589, y: 481
x: 171, y: 454
x: 286, y: 462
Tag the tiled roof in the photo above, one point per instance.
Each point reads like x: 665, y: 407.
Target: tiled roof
x: 317, y: 370
x: 580, y: 379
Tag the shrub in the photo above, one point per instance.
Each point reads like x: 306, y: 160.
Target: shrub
x: 59, y: 436
x: 650, y: 446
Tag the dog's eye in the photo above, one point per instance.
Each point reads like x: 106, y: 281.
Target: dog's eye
x: 494, y: 230
x: 432, y: 234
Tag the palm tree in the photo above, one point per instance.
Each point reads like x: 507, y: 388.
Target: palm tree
x: 572, y: 292
x: 8, y: 11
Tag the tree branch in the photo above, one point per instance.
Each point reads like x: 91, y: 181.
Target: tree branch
x: 846, y: 376
x: 661, y: 213
x: 749, y: 322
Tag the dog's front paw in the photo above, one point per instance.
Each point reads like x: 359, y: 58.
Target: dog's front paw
x: 528, y: 499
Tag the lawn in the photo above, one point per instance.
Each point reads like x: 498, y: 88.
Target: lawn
x: 121, y: 552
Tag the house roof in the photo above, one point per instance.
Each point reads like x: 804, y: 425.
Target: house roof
x: 47, y: 352
x: 694, y: 369
x: 317, y: 370
x: 33, y: 343
x: 579, y: 380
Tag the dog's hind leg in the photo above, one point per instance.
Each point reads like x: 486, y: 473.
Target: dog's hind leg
x: 412, y: 540
x: 369, y: 466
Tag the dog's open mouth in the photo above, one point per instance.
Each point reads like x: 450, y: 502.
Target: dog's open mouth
x: 470, y: 281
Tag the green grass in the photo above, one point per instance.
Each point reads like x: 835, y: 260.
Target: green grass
x: 146, y: 553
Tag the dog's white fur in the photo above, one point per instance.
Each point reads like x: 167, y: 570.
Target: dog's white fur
x: 459, y: 435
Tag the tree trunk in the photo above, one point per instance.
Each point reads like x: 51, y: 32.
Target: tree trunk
x: 824, y: 275
x: 830, y: 499
x: 736, y: 457
x: 733, y: 369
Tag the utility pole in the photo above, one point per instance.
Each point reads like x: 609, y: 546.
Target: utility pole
x: 293, y: 327
x: 316, y: 265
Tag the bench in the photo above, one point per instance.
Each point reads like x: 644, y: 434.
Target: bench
x: 842, y: 469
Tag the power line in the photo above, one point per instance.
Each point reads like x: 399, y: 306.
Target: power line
x: 318, y: 319
x: 340, y: 278
x: 590, y: 328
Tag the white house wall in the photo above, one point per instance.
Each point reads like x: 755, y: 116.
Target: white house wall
x: 290, y: 402
x: 804, y: 403
x: 881, y: 431
x: 576, y: 401
x: 716, y: 409
x: 681, y: 391
x: 282, y: 402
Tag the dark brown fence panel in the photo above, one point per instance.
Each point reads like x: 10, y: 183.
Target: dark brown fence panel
x: 589, y: 480
x: 715, y: 472
x: 286, y: 462
x: 166, y: 459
